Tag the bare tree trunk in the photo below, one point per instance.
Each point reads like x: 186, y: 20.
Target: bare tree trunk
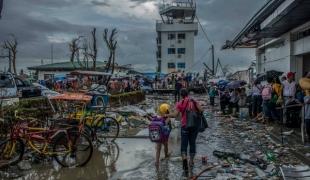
x: 74, y: 48
x: 11, y: 46
x: 14, y: 62
x: 95, y: 51
x: 111, y: 43
x: 72, y: 56
x: 10, y: 61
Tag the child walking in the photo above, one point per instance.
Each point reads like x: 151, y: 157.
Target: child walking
x: 159, y: 130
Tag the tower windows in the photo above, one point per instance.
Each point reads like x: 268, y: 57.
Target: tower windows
x: 171, y: 50
x: 181, y: 50
x: 181, y: 36
x: 171, y: 36
x: 181, y: 65
x: 171, y: 65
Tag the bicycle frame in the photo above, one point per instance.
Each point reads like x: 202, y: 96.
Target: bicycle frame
x: 33, y: 134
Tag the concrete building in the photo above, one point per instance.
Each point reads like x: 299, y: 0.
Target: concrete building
x: 175, y: 36
x: 280, y: 33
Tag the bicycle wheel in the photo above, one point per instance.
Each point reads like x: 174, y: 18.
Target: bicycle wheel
x: 107, y: 129
x: 111, y: 154
x: 73, y: 150
x: 89, y: 132
x: 11, y: 152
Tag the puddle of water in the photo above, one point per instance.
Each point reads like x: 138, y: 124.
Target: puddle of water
x: 131, y: 159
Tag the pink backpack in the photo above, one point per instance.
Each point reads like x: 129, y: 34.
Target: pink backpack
x: 267, y: 92
x: 158, y: 131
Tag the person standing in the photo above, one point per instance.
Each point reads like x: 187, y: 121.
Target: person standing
x: 177, y: 87
x: 256, y: 98
x: 267, y: 95
x: 289, y: 87
x: 277, y: 89
x: 166, y: 127
x: 212, y: 94
x: 188, y: 135
x: 224, y: 101
x: 233, y: 102
x: 242, y: 104
x: 289, y: 92
x: 249, y: 99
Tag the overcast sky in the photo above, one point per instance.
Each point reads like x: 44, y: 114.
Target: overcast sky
x: 39, y: 23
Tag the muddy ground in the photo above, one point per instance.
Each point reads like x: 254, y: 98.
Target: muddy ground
x: 133, y: 158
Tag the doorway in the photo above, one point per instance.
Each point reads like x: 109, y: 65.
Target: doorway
x: 306, y: 63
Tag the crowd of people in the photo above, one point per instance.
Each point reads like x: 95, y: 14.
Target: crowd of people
x: 278, y: 99
x: 116, y: 85
x: 263, y: 101
x: 170, y: 80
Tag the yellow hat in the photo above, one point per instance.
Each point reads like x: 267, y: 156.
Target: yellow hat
x: 164, y: 109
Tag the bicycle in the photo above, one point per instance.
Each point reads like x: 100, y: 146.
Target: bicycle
x: 64, y: 145
x: 91, y: 120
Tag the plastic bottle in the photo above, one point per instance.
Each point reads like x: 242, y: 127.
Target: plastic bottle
x: 270, y: 156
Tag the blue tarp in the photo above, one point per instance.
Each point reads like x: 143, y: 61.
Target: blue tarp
x: 60, y: 78
x: 152, y: 75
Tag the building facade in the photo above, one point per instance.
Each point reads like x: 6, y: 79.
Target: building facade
x: 280, y: 33
x: 244, y: 75
x: 175, y: 37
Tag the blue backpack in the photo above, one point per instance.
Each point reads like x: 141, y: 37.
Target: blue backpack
x: 158, y: 130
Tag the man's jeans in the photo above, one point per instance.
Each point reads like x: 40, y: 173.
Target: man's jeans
x: 188, y: 137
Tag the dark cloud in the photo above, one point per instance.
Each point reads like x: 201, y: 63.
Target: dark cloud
x: 100, y: 3
x: 38, y: 23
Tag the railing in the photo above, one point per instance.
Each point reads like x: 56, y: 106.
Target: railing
x: 178, y: 4
x: 179, y: 21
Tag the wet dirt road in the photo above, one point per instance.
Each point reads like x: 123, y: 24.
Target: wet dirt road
x: 134, y: 158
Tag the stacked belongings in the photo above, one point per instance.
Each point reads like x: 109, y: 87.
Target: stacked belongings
x: 305, y: 85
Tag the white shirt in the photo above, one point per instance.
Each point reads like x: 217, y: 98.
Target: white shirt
x: 289, y: 89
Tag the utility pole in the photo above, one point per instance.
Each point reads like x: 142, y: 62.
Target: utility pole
x: 212, y: 52
x: 52, y: 53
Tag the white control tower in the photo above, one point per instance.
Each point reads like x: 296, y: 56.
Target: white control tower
x: 175, y: 36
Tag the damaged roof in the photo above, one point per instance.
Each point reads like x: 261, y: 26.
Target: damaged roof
x: 275, y: 18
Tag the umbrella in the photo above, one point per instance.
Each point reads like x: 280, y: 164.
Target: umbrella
x: 236, y: 84
x: 273, y: 74
x: 222, y: 82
